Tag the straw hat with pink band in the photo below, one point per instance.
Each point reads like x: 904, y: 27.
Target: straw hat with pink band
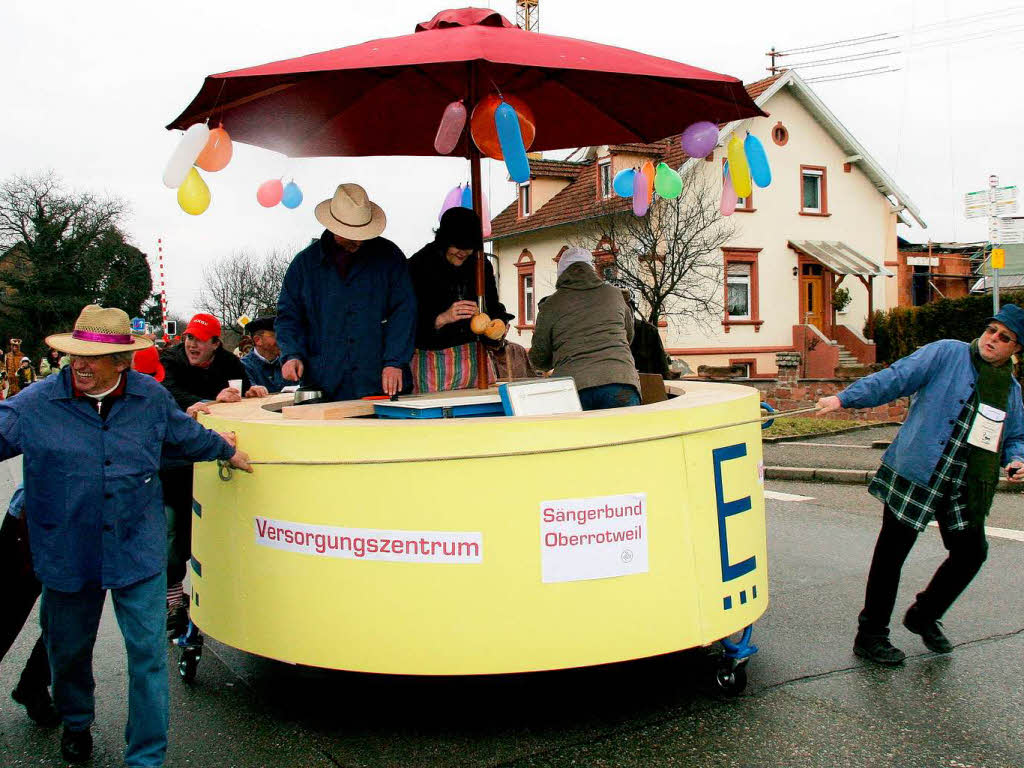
x: 99, y: 331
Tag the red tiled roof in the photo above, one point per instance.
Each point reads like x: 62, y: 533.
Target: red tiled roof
x: 579, y: 200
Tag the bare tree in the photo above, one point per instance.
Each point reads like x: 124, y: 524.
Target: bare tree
x: 670, y: 257
x: 243, y: 284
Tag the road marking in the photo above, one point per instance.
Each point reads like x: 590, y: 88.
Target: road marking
x: 797, y: 444
x: 779, y: 496
x: 999, y: 533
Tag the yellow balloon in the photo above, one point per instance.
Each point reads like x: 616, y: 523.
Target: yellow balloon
x: 739, y: 171
x: 193, y: 194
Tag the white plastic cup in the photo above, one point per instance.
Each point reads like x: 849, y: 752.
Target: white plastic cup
x: 235, y: 384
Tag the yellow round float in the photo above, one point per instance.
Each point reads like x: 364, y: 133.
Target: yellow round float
x: 484, y: 545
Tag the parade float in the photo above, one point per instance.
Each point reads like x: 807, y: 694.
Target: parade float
x: 479, y: 542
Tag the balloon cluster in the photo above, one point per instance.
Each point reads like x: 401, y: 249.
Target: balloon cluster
x: 211, y: 151
x: 501, y: 126
x: 272, y: 192
x: 462, y: 196
x: 641, y: 184
x: 747, y: 163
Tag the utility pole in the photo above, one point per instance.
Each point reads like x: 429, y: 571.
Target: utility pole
x: 993, y: 235
x: 773, y: 54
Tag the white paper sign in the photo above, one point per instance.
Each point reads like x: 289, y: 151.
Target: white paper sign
x: 593, y: 538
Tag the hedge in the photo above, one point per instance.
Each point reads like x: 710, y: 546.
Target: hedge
x: 900, y: 331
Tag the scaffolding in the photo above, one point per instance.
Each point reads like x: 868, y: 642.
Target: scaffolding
x: 528, y: 15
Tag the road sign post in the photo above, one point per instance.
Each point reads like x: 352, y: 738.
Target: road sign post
x: 998, y: 204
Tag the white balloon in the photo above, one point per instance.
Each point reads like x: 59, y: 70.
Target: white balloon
x: 185, y: 155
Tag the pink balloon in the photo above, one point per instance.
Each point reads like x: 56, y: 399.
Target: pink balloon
x: 641, y: 199
x: 270, y: 193
x: 728, y: 204
x: 448, y: 132
x: 452, y: 200
x: 485, y: 210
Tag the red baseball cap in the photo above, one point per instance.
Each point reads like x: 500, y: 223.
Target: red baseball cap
x: 203, y: 326
x: 148, y: 361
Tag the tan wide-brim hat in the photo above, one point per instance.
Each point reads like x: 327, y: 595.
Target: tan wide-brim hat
x: 351, y: 214
x: 99, y: 331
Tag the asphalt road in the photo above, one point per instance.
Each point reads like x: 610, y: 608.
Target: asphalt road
x: 810, y: 702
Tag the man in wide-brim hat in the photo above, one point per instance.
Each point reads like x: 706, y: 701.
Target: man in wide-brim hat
x: 92, y: 438
x: 346, y: 316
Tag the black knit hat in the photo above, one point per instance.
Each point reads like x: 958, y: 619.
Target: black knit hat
x: 460, y: 227
x: 265, y: 323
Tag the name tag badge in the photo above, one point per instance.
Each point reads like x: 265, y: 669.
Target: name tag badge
x: 987, y: 428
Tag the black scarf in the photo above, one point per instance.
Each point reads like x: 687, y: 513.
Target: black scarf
x: 983, y: 466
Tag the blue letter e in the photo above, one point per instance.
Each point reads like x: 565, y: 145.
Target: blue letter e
x: 726, y: 509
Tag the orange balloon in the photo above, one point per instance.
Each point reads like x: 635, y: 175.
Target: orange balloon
x: 647, y: 169
x: 217, y: 152
x: 485, y: 133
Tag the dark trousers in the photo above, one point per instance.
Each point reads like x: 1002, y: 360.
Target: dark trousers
x: 177, y: 484
x: 609, y: 396
x: 967, y: 551
x: 20, y: 590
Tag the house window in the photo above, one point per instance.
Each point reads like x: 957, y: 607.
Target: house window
x: 737, y: 291
x: 525, y: 204
x: 604, y: 179
x: 525, y: 267
x: 813, y: 191
x: 780, y: 135
x: 741, y: 288
x: 526, y: 287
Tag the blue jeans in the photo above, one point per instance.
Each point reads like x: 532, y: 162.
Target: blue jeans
x: 609, y: 396
x: 70, y: 621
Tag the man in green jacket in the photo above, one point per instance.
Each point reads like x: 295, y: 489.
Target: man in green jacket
x: 583, y: 330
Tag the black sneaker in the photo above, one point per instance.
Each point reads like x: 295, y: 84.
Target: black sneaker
x: 177, y: 621
x: 76, y: 746
x: 38, y: 705
x: 878, y: 650
x: 930, y: 631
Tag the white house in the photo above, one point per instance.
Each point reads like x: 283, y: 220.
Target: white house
x: 829, y: 217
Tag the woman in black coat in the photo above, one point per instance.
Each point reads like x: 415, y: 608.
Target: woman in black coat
x: 443, y: 275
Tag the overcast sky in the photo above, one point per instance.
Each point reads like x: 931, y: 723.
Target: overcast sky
x: 88, y: 87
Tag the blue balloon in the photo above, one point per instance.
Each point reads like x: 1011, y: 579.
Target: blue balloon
x: 511, y: 139
x: 760, y: 171
x: 292, y: 197
x: 623, y: 182
x: 467, y: 197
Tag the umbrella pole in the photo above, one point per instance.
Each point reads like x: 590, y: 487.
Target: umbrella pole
x: 474, y: 181
x: 474, y: 175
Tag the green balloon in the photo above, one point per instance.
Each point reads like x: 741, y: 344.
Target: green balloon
x: 667, y: 182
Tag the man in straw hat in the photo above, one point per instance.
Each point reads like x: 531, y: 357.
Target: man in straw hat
x: 92, y: 438
x: 346, y: 316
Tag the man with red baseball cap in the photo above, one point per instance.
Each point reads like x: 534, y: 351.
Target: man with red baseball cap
x: 196, y: 372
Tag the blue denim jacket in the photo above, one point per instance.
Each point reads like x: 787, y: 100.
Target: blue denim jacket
x: 92, y: 494
x: 264, y: 374
x: 941, y: 379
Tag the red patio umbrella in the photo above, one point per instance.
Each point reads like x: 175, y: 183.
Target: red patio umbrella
x: 386, y: 97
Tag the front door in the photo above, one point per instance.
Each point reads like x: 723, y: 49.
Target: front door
x: 812, y: 307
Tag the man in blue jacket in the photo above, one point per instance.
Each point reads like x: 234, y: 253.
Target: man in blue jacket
x: 346, y: 316
x: 92, y: 438
x: 263, y: 362
x: 966, y: 422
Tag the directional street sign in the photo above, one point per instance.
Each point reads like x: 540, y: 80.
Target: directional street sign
x: 976, y: 204
x: 1006, y: 193
x: 1009, y: 230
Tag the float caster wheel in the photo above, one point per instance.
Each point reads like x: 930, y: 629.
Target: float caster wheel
x: 188, y: 665
x: 731, y: 678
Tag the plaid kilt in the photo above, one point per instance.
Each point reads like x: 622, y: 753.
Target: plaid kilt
x: 946, y: 492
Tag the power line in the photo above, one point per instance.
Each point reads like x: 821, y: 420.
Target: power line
x: 852, y: 75
x: 842, y: 59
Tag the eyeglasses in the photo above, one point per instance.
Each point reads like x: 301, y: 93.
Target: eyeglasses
x: 993, y: 331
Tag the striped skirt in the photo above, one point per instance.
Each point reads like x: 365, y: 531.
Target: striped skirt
x: 442, y: 370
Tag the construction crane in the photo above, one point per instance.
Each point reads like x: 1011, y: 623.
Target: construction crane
x: 528, y: 15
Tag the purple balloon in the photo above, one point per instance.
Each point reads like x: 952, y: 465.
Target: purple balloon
x: 699, y: 139
x: 452, y: 200
x: 641, y: 198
